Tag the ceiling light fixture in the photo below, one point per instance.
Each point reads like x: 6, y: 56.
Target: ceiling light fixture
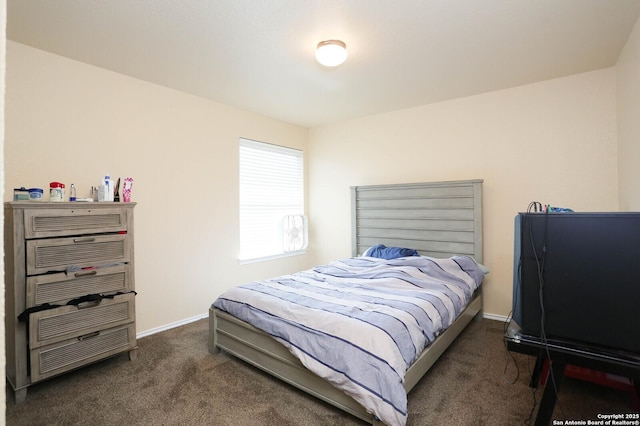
x: 331, y: 53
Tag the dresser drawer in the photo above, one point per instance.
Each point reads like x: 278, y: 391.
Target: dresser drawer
x: 63, y: 356
x: 42, y: 223
x: 66, y: 322
x: 56, y: 254
x: 61, y: 287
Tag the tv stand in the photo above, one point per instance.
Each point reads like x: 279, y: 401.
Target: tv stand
x: 561, y: 354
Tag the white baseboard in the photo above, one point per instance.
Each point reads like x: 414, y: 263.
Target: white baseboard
x: 172, y: 325
x: 495, y: 317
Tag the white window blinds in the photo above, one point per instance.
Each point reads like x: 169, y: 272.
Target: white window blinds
x: 271, y: 187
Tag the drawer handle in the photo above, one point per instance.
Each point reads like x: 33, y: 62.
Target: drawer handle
x: 88, y: 304
x: 88, y: 336
x: 85, y: 273
x: 84, y: 240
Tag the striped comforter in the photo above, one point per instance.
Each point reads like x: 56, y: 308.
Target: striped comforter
x: 361, y: 322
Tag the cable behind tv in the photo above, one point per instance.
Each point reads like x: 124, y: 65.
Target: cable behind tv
x: 540, y: 264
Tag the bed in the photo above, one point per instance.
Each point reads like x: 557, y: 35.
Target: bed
x: 442, y: 221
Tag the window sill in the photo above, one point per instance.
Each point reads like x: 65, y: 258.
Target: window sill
x: 272, y: 257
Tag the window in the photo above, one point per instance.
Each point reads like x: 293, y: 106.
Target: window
x: 271, y: 191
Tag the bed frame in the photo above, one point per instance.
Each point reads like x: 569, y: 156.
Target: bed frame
x: 439, y: 219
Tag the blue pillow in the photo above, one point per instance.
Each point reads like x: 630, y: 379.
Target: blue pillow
x: 383, y: 252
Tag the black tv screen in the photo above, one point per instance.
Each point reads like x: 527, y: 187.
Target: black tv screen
x: 577, y: 278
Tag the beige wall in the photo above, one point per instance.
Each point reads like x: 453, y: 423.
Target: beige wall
x: 72, y: 122
x: 628, y: 73
x: 553, y: 142
x: 3, y: 39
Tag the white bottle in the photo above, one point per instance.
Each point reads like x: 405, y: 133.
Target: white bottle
x: 108, y: 183
x: 105, y: 191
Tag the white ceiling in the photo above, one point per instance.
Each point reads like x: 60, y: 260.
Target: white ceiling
x: 258, y: 55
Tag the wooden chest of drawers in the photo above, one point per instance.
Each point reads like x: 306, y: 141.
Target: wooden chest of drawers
x: 69, y: 278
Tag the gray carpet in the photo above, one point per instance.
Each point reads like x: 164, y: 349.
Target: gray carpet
x: 175, y: 381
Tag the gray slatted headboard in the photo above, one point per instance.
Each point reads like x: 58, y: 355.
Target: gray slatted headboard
x: 439, y: 219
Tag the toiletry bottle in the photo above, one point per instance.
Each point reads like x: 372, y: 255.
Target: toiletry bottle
x: 103, y: 189
x: 72, y: 193
x: 108, y: 188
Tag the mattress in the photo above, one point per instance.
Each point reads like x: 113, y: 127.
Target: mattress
x: 361, y: 322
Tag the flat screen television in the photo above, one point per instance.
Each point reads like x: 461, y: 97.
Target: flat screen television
x: 577, y: 278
